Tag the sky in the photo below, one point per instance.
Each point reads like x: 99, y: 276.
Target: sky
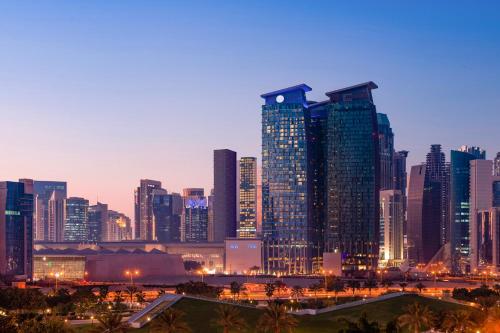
x: 103, y: 93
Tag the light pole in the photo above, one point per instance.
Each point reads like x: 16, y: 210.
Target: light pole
x: 131, y: 273
x: 57, y: 277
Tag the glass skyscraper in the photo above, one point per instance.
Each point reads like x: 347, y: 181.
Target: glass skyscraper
x: 247, y: 227
x: 42, y: 192
x: 352, y: 226
x: 195, y: 215
x: 16, y: 228
x: 167, y: 223
x: 97, y: 222
x: 76, y: 227
x: 386, y: 145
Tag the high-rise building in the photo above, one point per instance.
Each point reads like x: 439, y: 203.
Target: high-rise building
x: 386, y: 146
x: 460, y: 203
x: 495, y: 236
x: 16, y: 228
x: 167, y: 224
x: 287, y: 223
x: 144, y: 220
x: 210, y: 203
x: 56, y: 216
x: 399, y: 173
x: 391, y: 226
x: 97, y: 223
x: 225, y: 205
x: 352, y: 226
x: 496, y: 191
x: 76, y: 227
x: 437, y: 181
x: 195, y: 217
x: 247, y: 227
x: 423, y: 217
x: 258, y: 217
x: 42, y: 191
x: 496, y: 163
x: 119, y: 227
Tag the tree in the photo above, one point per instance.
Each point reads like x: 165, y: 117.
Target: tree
x: 392, y: 326
x: 315, y: 288
x: 387, y: 284
x: 235, y: 289
x: 458, y: 321
x: 110, y: 322
x: 141, y: 297
x: 337, y: 286
x: 275, y: 319
x: 254, y: 270
x: 403, y: 285
x: 48, y: 324
x: 229, y: 318
x: 420, y: 286
x: 269, y: 289
x: 170, y: 321
x: 131, y: 291
x: 280, y: 286
x: 103, y: 293
x: 118, y: 297
x: 353, y: 285
x: 297, y: 291
x: 370, y: 284
x: 363, y: 325
x: 161, y: 292
x: 416, y: 318
x: 7, y: 323
x: 492, y: 320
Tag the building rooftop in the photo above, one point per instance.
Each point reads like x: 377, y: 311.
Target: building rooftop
x: 303, y: 87
x: 369, y: 85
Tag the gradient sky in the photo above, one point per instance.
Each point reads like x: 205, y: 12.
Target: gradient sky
x: 103, y: 93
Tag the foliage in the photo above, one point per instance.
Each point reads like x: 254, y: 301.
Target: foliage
x: 275, y: 319
x: 472, y: 295
x: 336, y: 285
x: 269, y: 288
x: 420, y: 286
x: 26, y: 299
x: 170, y: 321
x: 297, y: 291
x: 198, y: 288
x: 363, y: 325
x: 235, y: 289
x: 416, y: 318
x: 403, y: 285
x: 370, y: 284
x: 110, y: 322
x: 229, y: 319
x: 49, y: 324
x: 353, y: 285
x: 458, y: 321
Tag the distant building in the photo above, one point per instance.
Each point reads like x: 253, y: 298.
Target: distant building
x: 496, y: 163
x: 243, y: 255
x: 76, y: 219
x: 195, y: 217
x: 119, y: 227
x: 224, y: 194
x: 167, y: 223
x: 210, y: 202
x: 42, y: 192
x: 144, y: 225
x: 391, y: 226
x: 386, y: 146
x: 247, y: 227
x: 16, y: 228
x: 56, y: 217
x: 97, y: 223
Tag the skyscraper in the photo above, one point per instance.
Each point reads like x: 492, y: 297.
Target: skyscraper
x: 119, y: 227
x: 399, y: 173
x: 42, y: 191
x: 144, y: 226
x: 496, y: 163
x: 195, y: 217
x: 247, y: 227
x: 353, y: 177
x: 167, y: 223
x: 391, y: 225
x: 224, y: 194
x: 460, y: 203
x: 16, y: 228
x: 386, y: 145
x: 56, y: 216
x: 97, y: 223
x: 76, y: 227
x: 210, y: 203
x: 437, y: 180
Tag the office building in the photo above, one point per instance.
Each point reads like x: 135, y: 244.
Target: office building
x: 494, y: 218
x: 144, y: 220
x: 247, y: 227
x: 98, y: 223
x: 210, y: 228
x: 42, y: 192
x: 496, y: 165
x: 386, y: 146
x: 56, y: 217
x: 460, y: 204
x: 16, y: 228
x: 399, y: 173
x: 243, y: 256
x: 290, y: 245
x: 195, y: 216
x: 225, y: 206
x: 119, y: 227
x: 391, y: 227
x: 353, y: 177
x: 76, y: 227
x: 167, y: 223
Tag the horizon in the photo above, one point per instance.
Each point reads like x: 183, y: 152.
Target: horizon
x: 101, y: 95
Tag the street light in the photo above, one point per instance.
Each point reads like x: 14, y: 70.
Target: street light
x: 131, y: 274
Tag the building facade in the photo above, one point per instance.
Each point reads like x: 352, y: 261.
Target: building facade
x: 56, y: 217
x: 496, y: 165
x: 76, y: 226
x: 391, y: 227
x: 386, y: 145
x: 119, y: 227
x: 42, y: 192
x: 247, y: 226
x: 98, y: 222
x: 195, y: 216
x: 16, y: 228
x: 144, y: 219
x: 225, y: 194
x: 167, y: 223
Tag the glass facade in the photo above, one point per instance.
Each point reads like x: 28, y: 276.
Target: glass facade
x: 167, y: 224
x: 386, y: 145
x: 76, y: 219
x: 496, y: 194
x: 196, y: 219
x: 247, y: 227
x: 353, y: 178
x: 67, y: 267
x: 97, y: 222
x: 16, y: 229
x: 42, y: 192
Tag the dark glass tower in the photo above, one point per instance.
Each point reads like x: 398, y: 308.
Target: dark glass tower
x: 97, y: 223
x: 167, y: 223
x: 225, y: 194
x: 353, y: 177
x: 386, y: 145
x: 76, y: 228
x: 42, y: 192
x: 144, y: 224
x: 248, y: 198
x: 16, y: 228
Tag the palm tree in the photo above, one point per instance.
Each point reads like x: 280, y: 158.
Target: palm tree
x: 141, y: 297
x: 49, y: 324
x: 280, y: 286
x: 229, y: 318
x: 387, y: 284
x: 269, y: 289
x: 118, y: 297
x: 416, y: 318
x: 492, y: 320
x: 337, y: 286
x: 420, y: 286
x: 370, y: 284
x: 103, y: 293
x: 131, y: 291
x: 362, y: 325
x: 315, y: 288
x: 161, y: 292
x: 235, y: 289
x: 353, y: 285
x: 403, y: 285
x: 297, y: 291
x: 275, y: 319
x: 170, y: 321
x: 459, y: 321
x: 110, y: 322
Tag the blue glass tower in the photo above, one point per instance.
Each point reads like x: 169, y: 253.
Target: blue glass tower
x: 16, y: 228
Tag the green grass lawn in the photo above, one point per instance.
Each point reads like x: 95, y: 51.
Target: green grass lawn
x: 200, y: 314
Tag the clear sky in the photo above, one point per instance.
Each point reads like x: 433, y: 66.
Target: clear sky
x: 103, y: 93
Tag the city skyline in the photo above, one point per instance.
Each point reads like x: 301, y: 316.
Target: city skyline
x: 117, y: 101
